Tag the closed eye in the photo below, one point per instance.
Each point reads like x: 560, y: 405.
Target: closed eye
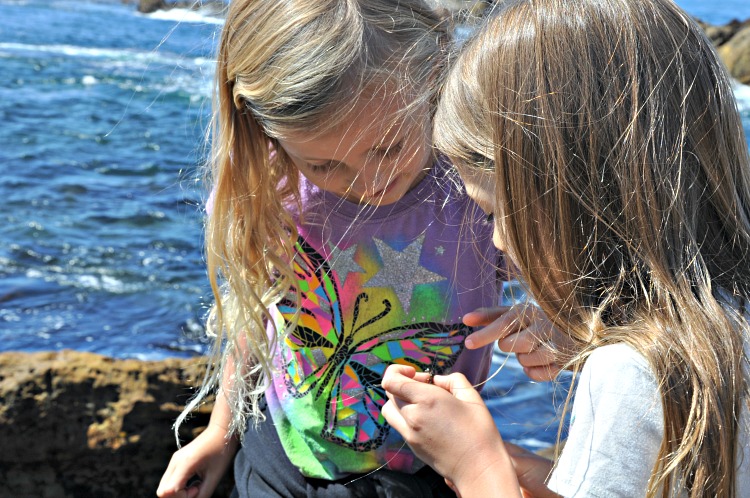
x: 478, y: 159
x: 390, y: 151
x: 323, y: 167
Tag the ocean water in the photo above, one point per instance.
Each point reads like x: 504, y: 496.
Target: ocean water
x: 103, y: 113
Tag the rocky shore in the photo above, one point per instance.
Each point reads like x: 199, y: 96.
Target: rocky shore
x: 732, y: 41
x: 81, y: 425
x: 76, y: 424
x: 148, y: 6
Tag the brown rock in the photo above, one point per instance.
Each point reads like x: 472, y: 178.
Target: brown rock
x: 736, y: 55
x: 213, y: 7
x: 720, y: 34
x: 76, y: 424
x: 149, y: 6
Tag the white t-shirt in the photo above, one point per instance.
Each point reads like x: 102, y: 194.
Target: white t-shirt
x: 616, y: 430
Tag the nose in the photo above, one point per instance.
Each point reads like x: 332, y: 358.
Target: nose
x: 373, y: 177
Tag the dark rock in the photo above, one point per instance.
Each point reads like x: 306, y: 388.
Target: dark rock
x: 215, y: 7
x: 736, y: 54
x: 149, y: 6
x: 720, y: 34
x: 76, y: 424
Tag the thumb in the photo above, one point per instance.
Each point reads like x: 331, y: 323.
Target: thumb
x: 459, y: 386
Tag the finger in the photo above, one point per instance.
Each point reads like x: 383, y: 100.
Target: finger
x: 205, y: 488
x: 172, y: 492
x: 178, y: 482
x: 403, y: 388
x: 161, y: 491
x: 510, y: 322
x: 195, y: 492
x: 484, y: 316
x: 526, y: 340
x: 458, y: 385
x: 544, y: 373
x: 497, y: 330
x: 453, y: 487
x: 538, y: 358
x: 169, y: 486
x: 396, y: 371
x: 423, y: 377
x: 393, y: 416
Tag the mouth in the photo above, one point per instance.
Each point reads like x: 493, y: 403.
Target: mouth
x: 385, y: 190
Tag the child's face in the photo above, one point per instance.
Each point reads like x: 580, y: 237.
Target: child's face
x: 374, y: 159
x: 480, y: 186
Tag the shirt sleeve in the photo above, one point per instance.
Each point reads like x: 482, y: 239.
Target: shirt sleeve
x: 616, y: 428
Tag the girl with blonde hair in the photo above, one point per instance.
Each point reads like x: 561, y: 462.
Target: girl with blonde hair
x: 337, y: 243
x: 605, y: 138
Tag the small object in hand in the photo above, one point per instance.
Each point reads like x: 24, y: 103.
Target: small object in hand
x: 431, y: 379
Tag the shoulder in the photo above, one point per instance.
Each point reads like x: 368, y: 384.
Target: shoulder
x: 617, y: 360
x: 616, y: 376
x: 616, y: 427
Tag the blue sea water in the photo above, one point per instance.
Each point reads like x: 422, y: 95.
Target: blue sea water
x: 103, y: 112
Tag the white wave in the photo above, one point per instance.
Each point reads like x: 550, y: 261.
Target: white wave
x: 79, y: 51
x: 187, y: 15
x: 190, y: 74
x: 742, y: 94
x: 118, y: 57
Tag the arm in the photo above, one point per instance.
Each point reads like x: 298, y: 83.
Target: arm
x: 208, y: 456
x: 448, y: 426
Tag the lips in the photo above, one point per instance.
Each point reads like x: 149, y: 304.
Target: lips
x: 387, y: 189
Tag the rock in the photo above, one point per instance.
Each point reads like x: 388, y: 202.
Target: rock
x: 211, y: 6
x: 736, y: 54
x: 720, y: 34
x: 76, y: 424
x: 149, y: 6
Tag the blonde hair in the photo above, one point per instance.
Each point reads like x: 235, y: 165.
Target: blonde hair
x: 623, y: 180
x: 283, y: 68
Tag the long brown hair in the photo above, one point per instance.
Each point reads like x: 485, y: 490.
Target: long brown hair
x: 623, y: 180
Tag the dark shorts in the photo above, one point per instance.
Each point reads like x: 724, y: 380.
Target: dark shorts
x: 262, y: 469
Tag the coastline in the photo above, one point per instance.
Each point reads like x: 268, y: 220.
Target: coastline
x: 81, y: 424
x: 77, y: 424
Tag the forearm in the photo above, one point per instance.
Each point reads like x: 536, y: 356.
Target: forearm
x: 495, y: 476
x: 221, y: 414
x: 532, y: 471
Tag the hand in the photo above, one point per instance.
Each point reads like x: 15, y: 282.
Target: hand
x: 448, y: 426
x: 522, y: 329
x: 208, y: 456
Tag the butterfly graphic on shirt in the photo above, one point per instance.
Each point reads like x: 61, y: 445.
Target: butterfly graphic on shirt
x: 326, y: 356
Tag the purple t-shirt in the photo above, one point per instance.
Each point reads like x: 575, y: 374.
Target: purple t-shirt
x: 378, y: 285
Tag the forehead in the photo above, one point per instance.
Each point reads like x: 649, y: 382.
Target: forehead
x: 376, y: 120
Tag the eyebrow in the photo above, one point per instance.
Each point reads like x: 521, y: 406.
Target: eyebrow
x: 375, y: 148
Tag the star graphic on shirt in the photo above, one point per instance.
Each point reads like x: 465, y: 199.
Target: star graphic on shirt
x: 439, y: 250
x: 343, y: 261
x: 401, y: 270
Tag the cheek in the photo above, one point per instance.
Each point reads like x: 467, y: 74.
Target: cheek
x: 497, y: 239
x: 419, y: 148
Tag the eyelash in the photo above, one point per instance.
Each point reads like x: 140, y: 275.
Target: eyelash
x: 386, y: 152
x: 320, y: 168
x: 391, y: 150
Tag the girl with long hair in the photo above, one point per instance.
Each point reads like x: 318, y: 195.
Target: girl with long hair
x: 604, y: 137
